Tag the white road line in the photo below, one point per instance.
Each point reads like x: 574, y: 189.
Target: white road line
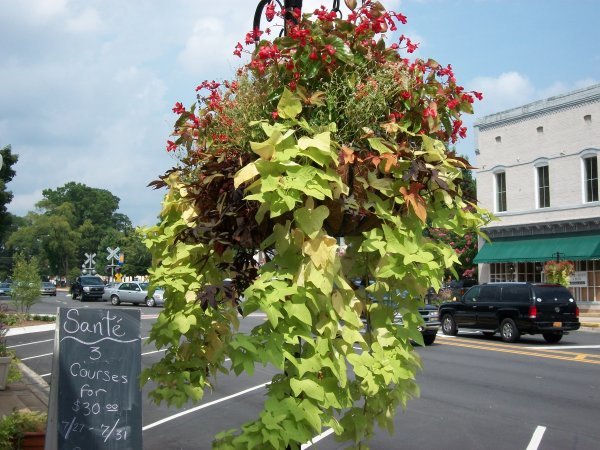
x: 37, y: 356
x: 206, y: 405
x: 46, y: 375
x: 29, y: 343
x: 155, y: 351
x: 536, y: 438
x: 563, y: 347
x: 316, y: 439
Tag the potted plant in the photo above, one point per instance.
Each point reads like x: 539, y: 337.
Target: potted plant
x: 23, y: 430
x: 559, y: 272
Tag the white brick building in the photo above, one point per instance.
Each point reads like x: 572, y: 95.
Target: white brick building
x: 538, y: 172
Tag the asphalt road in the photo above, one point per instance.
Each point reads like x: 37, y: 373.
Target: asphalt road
x: 476, y: 393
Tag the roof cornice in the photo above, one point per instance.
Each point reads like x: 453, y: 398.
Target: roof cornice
x: 571, y: 100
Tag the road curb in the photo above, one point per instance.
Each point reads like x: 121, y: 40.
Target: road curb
x: 36, y: 384
x: 15, y: 331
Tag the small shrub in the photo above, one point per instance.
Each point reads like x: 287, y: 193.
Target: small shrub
x: 15, y: 425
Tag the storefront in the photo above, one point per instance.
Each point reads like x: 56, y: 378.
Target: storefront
x: 522, y: 258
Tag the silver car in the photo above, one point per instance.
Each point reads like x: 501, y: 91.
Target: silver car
x: 135, y: 292
x: 109, y: 289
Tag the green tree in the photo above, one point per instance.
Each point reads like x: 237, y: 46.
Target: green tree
x: 26, y: 283
x: 7, y: 173
x: 8, y: 221
x: 98, y: 206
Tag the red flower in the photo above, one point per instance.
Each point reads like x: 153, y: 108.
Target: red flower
x: 313, y: 55
x: 453, y: 103
x: 275, y: 115
x: 479, y: 95
x: 238, y: 50
x: 401, y: 18
x: 178, y: 108
x: 270, y: 12
x: 171, y: 146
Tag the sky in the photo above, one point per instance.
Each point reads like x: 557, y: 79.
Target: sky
x: 87, y: 86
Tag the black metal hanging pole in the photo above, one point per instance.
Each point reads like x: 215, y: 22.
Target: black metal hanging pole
x: 290, y: 6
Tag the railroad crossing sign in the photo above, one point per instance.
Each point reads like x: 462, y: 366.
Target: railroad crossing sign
x: 89, y: 262
x: 112, y: 254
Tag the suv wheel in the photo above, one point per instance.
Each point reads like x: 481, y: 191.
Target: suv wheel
x: 509, y: 331
x: 150, y: 302
x: 115, y: 300
x: 74, y: 295
x: 552, y: 338
x: 429, y: 339
x: 448, y: 325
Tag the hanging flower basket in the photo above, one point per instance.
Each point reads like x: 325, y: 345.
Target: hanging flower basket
x: 329, y: 131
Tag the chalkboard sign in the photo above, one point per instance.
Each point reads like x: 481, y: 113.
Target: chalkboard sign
x: 97, y: 398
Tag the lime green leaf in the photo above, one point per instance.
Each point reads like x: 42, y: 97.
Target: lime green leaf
x: 310, y: 220
x: 308, y: 387
x: 378, y: 145
x: 244, y: 174
x: 299, y: 311
x: 266, y: 149
x: 289, y: 105
x: 321, y: 142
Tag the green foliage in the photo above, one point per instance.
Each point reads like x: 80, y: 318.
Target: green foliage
x: 14, y: 425
x: 26, y: 283
x: 76, y: 219
x: 7, y: 173
x: 559, y: 272
x: 319, y: 158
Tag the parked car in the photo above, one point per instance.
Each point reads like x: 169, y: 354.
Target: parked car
x: 429, y: 314
x: 48, y: 288
x: 136, y: 293
x: 109, y: 289
x: 87, y: 287
x: 513, y: 309
x: 5, y: 289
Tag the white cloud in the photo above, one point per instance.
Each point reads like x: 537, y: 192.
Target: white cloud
x: 87, y: 21
x: 209, y: 46
x: 508, y: 90
x: 25, y: 202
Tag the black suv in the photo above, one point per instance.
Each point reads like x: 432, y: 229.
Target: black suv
x: 87, y: 287
x: 512, y: 309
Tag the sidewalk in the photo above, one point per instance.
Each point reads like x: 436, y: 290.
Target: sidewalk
x: 590, y: 321
x: 31, y: 393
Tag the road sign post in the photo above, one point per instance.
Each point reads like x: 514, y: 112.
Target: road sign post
x: 112, y: 255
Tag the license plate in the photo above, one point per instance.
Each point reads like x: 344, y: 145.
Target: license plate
x: 557, y: 324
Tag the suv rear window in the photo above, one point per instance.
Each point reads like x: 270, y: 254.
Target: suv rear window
x: 552, y: 293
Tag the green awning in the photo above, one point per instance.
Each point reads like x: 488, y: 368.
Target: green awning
x: 540, y: 248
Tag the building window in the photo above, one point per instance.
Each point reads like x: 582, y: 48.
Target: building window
x: 543, y: 179
x: 587, y: 118
x: 590, y: 167
x: 540, y: 130
x: 498, y: 139
x: 501, y: 191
